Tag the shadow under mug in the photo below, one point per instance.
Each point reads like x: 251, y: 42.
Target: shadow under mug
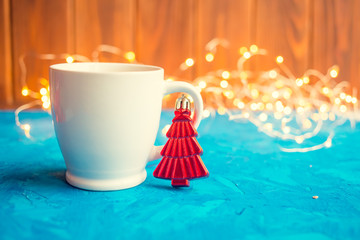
x: 106, y: 117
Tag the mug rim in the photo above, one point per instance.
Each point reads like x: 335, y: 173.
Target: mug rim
x: 128, y: 67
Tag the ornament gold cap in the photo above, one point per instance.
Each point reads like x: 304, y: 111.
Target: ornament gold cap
x: 183, y: 103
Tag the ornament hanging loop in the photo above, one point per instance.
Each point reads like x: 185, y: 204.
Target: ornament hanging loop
x: 183, y: 103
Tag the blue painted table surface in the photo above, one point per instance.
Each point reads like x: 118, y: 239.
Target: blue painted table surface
x: 255, y: 191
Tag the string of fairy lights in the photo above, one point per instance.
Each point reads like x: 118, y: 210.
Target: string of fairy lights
x: 281, y: 105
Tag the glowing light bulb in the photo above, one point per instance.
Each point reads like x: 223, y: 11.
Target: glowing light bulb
x: 328, y: 143
x: 325, y: 90
x: 315, y: 116
x: 246, y: 115
x: 299, y: 139
x: 268, y: 126
x: 287, y: 93
x: 224, y: 84
x: 253, y: 106
x: 279, y: 59
x: 279, y: 84
x: 337, y: 101
x: 342, y: 95
x: 247, y: 55
x: 278, y: 115
x: 69, y: 59
x: 348, y: 99
x: 269, y: 106
x: 202, y: 84
x: 189, y: 62
x: 44, y: 98
x: 265, y: 98
x: 286, y: 129
x: 300, y: 110
x: 241, y: 105
x: 261, y: 106
x: 44, y: 81
x: 26, y: 127
x: 306, y: 80
x: 209, y: 57
x: 354, y: 100
x: 275, y: 94
x: 254, y: 93
x: 206, y: 113
x: 25, y: 91
x: 272, y: 74
x: 229, y: 94
x: 287, y: 110
x: 221, y: 110
x: 46, y: 105
x: 334, y: 72
x: 324, y: 108
x: 299, y: 82
x: 225, y: 75
x: 263, y: 117
x: 324, y: 116
x: 343, y: 108
x: 243, y: 75
x: 43, y: 91
x: 279, y: 106
x: 236, y: 101
x: 243, y: 50
x: 130, y: 56
x: 254, y: 48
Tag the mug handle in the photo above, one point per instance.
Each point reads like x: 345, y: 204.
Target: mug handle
x: 172, y: 87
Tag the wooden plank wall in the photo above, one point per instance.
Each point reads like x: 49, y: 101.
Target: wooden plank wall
x: 38, y: 27
x: 6, y: 83
x: 283, y: 28
x: 309, y: 34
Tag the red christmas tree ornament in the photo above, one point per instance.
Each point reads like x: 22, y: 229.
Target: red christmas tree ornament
x: 181, y: 154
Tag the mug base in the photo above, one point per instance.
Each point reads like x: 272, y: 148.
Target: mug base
x: 105, y: 184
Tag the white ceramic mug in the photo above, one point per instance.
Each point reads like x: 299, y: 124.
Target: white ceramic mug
x: 106, y: 117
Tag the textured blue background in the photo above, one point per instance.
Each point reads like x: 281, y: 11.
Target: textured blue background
x: 254, y: 191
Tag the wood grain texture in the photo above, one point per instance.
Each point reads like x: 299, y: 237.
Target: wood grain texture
x: 309, y: 34
x: 6, y: 93
x: 165, y: 33
x: 355, y: 48
x: 39, y: 26
x: 230, y: 20
x: 110, y: 22
x: 165, y: 36
x: 283, y: 28
x: 335, y: 40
